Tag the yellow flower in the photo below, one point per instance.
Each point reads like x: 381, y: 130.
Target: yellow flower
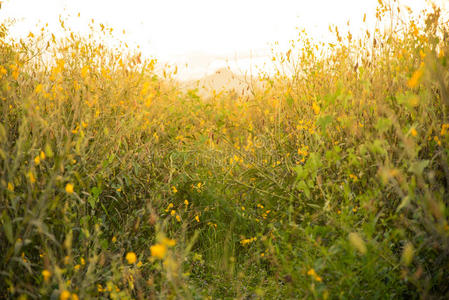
x: 248, y: 241
x: 174, y: 189
x: 316, y: 108
x: 168, y: 207
x: 114, y: 239
x: 197, y: 219
x: 158, y: 250
x: 46, y: 274
x: 69, y: 188
x: 311, y: 272
x: 413, y: 132
x: 75, y: 297
x: 42, y: 155
x: 131, y: 257
x: 444, y: 129
x: 31, y: 177
x: 353, y: 177
x: 178, y: 218
x: 76, y: 267
x: 10, y: 187
x: 65, y: 295
x: 186, y: 202
x: 414, y: 80
x: 37, y: 160
x: 3, y: 71
x: 168, y: 242
x: 83, y: 262
x: 173, y: 212
x: 84, y: 71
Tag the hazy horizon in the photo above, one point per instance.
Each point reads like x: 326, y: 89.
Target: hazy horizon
x: 204, y: 35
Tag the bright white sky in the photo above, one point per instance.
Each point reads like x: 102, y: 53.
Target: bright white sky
x: 202, y: 33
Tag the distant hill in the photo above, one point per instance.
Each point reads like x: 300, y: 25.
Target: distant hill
x: 222, y: 80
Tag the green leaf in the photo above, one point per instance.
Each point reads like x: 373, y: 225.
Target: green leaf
x: 378, y: 147
x: 324, y: 121
x: 302, y: 186
x: 289, y: 100
x: 48, y: 151
x: 383, y: 124
x: 7, y: 227
x: 93, y: 199
x: 418, y: 167
x: 301, y: 173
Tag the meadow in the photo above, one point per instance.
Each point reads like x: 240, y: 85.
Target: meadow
x: 328, y: 181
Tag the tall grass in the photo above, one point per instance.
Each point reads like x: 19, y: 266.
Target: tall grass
x: 330, y: 182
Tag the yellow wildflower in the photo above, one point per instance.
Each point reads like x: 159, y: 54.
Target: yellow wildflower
x: 248, y: 241
x: 31, y: 177
x: 353, y: 177
x: 414, y: 80
x: 313, y: 274
x: 168, y: 242
x: 316, y: 108
x: 413, y: 132
x: 444, y: 129
x: 10, y: 187
x: 46, y: 274
x: 197, y: 219
x: 131, y: 257
x: 69, y: 188
x: 3, y: 71
x: 65, y: 295
x: 158, y: 250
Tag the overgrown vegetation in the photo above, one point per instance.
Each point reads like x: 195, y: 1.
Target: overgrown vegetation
x: 330, y: 182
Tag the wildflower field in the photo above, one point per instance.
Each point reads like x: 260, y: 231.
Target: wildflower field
x: 329, y: 180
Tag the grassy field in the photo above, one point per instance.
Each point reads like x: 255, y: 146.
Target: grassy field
x: 329, y: 181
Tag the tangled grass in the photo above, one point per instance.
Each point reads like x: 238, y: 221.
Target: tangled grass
x: 331, y: 181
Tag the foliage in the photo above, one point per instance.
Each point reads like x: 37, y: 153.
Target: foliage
x: 329, y: 182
